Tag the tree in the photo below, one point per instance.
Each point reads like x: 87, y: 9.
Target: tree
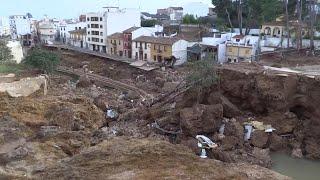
x: 202, y: 76
x: 148, y: 23
x: 5, y: 52
x: 44, y: 60
x: 190, y: 19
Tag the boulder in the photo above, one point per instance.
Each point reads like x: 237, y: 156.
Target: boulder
x: 312, y: 149
x: 84, y: 82
x: 276, y: 142
x: 297, y: 153
x: 234, y: 128
x: 61, y: 116
x: 201, y: 119
x: 263, y: 156
x: 231, y: 143
x: 259, y: 139
x: 229, y: 109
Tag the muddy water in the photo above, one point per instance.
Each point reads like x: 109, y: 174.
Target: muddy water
x: 298, y: 169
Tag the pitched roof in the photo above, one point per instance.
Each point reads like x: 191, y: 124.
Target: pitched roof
x: 116, y: 36
x: 238, y: 36
x: 176, y: 8
x: 130, y: 30
x: 80, y: 31
x: 158, y: 40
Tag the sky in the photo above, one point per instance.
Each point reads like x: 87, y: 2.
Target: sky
x: 73, y: 8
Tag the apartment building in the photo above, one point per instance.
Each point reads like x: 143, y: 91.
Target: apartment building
x: 4, y: 26
x: 69, y: 25
x: 20, y: 25
x: 47, y: 31
x: 111, y: 20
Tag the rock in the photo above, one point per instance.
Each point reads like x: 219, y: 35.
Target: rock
x: 263, y: 155
x: 84, y: 82
x: 312, y: 149
x: 276, y: 142
x: 297, y: 153
x: 229, y: 109
x: 230, y: 143
x: 61, y: 116
x: 234, y: 128
x: 259, y: 139
x: 201, y: 119
x: 169, y: 86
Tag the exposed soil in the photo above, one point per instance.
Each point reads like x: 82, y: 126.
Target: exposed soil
x: 67, y: 133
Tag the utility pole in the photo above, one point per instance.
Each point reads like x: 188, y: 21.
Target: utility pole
x: 312, y: 21
x: 240, y: 15
x: 287, y: 24
x: 299, y: 33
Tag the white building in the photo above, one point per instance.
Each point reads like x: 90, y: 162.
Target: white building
x: 112, y: 20
x: 20, y: 25
x: 4, y: 26
x: 47, y: 31
x: 64, y: 28
x: 16, y: 51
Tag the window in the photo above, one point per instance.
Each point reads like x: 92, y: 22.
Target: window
x: 154, y: 47
x: 238, y: 40
x: 95, y: 39
x: 101, y: 26
x: 94, y: 25
x: 136, y: 55
x: 145, y: 56
x: 145, y: 45
x: 88, y: 19
x: 101, y: 19
x: 155, y: 58
x: 101, y: 33
x: 140, y: 44
x: 64, y: 29
x: 101, y: 40
x: 111, y: 51
x: 61, y: 29
x: 88, y: 32
x: 136, y: 44
x: 79, y: 28
x: 94, y: 19
x: 95, y: 33
x: 76, y: 28
x: 119, y: 42
x: 88, y: 39
x: 88, y: 25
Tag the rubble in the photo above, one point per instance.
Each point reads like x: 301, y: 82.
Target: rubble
x: 24, y: 87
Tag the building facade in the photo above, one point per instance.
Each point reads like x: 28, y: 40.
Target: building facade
x: 115, y: 44
x: 78, y: 38
x: 47, y: 32
x: 242, y: 48
x: 110, y: 21
x: 160, y: 49
x: 4, y: 26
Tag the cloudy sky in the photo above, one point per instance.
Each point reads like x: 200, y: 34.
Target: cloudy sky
x: 73, y: 8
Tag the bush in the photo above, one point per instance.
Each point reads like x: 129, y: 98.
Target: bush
x: 5, y: 52
x: 44, y: 60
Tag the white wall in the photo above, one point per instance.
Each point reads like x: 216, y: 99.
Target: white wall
x: 23, y: 26
x: 16, y: 50
x: 121, y: 20
x: 146, y: 31
x: 4, y: 26
x: 179, y: 50
x: 145, y: 51
x: 222, y: 53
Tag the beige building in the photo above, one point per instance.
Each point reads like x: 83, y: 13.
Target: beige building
x: 78, y: 38
x: 241, y: 48
x: 278, y: 29
x: 115, y: 44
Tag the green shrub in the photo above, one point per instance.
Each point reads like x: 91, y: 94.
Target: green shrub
x: 41, y: 59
